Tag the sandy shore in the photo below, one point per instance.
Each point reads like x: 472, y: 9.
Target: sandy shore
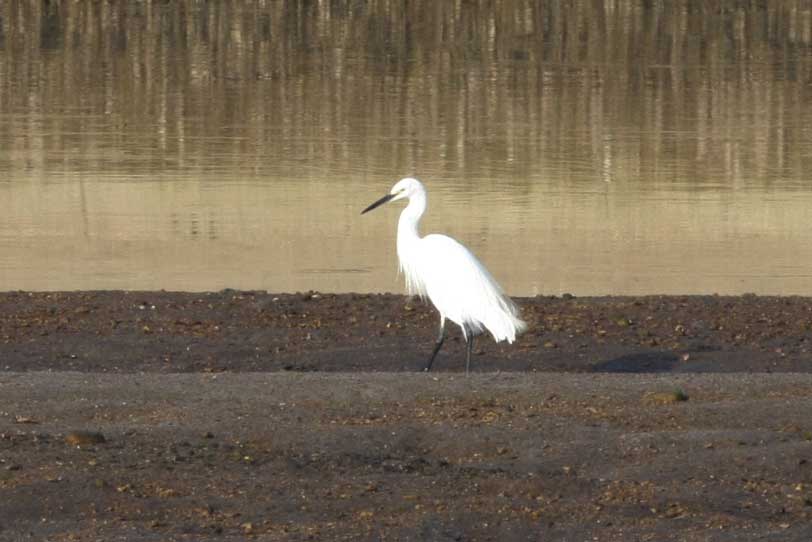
x: 406, y: 456
x: 244, y: 415
x: 259, y: 331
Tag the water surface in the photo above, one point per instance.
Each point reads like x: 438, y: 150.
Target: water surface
x: 591, y: 148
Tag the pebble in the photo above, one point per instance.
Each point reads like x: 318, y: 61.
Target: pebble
x: 664, y: 398
x: 84, y: 438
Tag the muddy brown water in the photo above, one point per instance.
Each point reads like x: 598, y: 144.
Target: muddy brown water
x: 585, y: 147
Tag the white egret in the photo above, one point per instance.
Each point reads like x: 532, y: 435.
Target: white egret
x: 440, y: 268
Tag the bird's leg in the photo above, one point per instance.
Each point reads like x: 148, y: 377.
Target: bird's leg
x: 469, y: 346
x: 437, y: 345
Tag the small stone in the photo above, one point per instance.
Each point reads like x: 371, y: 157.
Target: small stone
x: 665, y: 398
x: 674, y: 511
x: 25, y: 419
x: 84, y: 438
x: 166, y: 493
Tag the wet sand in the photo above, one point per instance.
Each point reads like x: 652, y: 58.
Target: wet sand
x: 246, y: 415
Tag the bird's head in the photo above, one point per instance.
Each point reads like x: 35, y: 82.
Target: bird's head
x: 404, y: 188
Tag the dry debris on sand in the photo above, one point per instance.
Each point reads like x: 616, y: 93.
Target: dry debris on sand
x: 167, y: 416
x: 258, y: 331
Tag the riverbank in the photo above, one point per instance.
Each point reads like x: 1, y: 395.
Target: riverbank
x: 243, y: 415
x: 405, y: 457
x: 257, y: 331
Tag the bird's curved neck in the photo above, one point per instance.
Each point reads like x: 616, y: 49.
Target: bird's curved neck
x: 410, y: 218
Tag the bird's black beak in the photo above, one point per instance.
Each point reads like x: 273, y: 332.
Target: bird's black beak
x: 378, y: 203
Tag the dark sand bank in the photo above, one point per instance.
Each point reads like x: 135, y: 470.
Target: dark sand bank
x: 252, y: 331
x: 296, y: 419
x: 406, y: 457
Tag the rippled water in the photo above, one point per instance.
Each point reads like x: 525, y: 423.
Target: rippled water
x: 592, y: 148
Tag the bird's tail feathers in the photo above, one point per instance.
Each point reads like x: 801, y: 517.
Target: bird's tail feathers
x: 506, y: 323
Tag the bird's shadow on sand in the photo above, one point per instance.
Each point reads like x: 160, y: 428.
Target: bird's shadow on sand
x: 643, y: 362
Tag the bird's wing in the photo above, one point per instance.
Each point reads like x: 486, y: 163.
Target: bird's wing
x: 463, y: 290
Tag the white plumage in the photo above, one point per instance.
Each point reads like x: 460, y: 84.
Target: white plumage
x: 440, y: 268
